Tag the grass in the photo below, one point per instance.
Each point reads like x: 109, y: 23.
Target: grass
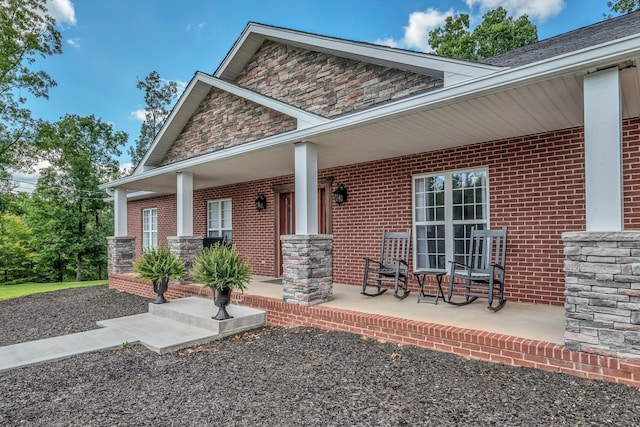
x: 22, y: 289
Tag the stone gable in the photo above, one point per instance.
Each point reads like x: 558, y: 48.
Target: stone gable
x: 224, y: 120
x: 327, y: 85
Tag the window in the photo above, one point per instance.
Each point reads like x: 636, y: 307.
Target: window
x: 219, y: 218
x: 445, y: 208
x: 149, y: 228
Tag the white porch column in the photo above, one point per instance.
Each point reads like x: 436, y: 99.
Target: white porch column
x: 603, y: 150
x: 120, y: 212
x: 306, y: 188
x: 184, y: 201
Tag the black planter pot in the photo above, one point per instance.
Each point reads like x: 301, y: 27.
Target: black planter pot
x: 222, y: 298
x: 160, y: 287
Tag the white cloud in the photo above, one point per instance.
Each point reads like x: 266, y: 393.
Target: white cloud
x: 535, y: 9
x: 416, y: 34
x: 62, y: 11
x: 389, y: 41
x: 74, y: 42
x: 181, y: 87
x: 139, y: 115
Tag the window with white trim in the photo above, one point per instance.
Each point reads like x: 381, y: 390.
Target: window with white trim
x: 219, y: 218
x: 149, y: 228
x: 445, y: 208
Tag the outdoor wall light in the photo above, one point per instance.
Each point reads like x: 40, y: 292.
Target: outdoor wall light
x: 261, y: 202
x: 340, y: 194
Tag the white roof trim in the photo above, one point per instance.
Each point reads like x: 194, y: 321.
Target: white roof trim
x: 586, y: 60
x: 304, y: 118
x: 189, y: 102
x: 382, y: 55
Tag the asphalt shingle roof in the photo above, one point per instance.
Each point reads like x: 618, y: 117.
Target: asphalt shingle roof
x: 607, y: 30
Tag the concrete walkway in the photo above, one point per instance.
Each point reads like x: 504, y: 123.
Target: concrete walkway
x: 167, y: 327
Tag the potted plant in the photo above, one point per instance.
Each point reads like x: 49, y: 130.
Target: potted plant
x: 159, y: 265
x: 221, y: 268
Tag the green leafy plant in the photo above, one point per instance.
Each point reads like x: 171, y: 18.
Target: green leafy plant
x: 222, y: 266
x: 159, y: 264
x: 125, y: 344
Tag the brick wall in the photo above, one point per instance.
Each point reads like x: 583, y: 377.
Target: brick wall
x: 327, y: 85
x: 536, y: 190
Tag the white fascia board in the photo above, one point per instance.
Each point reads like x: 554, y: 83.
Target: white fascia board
x: 142, y: 167
x: 579, y: 61
x: 304, y: 118
x: 383, y: 55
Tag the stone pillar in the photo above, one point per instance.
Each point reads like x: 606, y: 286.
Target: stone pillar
x: 186, y: 248
x: 121, y: 254
x: 307, y: 269
x: 603, y: 293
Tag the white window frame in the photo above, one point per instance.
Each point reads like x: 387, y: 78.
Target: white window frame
x: 448, y: 222
x: 220, y: 231
x: 149, y: 228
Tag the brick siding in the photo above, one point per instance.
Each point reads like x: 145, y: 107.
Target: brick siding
x: 536, y: 186
x: 327, y: 85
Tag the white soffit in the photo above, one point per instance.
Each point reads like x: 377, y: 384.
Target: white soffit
x: 422, y: 63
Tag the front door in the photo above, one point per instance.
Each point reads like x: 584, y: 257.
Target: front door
x: 286, y: 214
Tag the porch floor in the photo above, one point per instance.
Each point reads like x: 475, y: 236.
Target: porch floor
x: 530, y: 321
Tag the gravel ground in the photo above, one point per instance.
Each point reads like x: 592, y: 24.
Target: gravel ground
x: 278, y: 377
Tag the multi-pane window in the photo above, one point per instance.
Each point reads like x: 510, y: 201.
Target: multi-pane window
x: 445, y: 208
x: 219, y: 218
x: 149, y: 228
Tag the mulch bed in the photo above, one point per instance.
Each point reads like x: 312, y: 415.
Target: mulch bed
x: 278, y: 377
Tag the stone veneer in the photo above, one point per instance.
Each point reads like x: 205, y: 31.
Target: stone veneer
x: 121, y: 254
x: 603, y: 293
x: 327, y: 85
x: 307, y: 269
x: 186, y: 248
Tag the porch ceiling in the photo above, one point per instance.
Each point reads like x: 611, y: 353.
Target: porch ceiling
x: 538, y: 107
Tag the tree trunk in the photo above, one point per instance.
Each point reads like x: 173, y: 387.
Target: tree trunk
x: 79, y: 269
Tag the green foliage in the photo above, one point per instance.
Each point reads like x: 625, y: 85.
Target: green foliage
x: 624, y: 6
x: 26, y: 33
x: 126, y: 345
x: 67, y: 212
x: 157, y: 97
x: 159, y: 264
x: 498, y: 33
x: 221, y: 266
x: 17, y: 251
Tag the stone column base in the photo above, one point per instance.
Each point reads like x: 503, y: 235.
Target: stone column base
x: 602, y: 308
x: 307, y: 269
x: 121, y: 254
x: 186, y: 248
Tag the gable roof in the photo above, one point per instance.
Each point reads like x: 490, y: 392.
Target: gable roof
x: 601, y: 32
x: 196, y: 91
x: 254, y: 35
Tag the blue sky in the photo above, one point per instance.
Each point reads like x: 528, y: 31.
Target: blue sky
x: 109, y: 44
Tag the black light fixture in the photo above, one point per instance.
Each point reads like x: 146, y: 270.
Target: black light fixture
x: 340, y: 194
x: 261, y: 202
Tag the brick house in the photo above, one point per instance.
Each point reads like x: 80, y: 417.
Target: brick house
x: 544, y: 140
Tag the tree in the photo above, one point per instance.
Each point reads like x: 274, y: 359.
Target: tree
x: 157, y: 96
x: 26, y: 33
x: 16, y: 247
x: 67, y: 210
x: 623, y: 6
x: 496, y: 34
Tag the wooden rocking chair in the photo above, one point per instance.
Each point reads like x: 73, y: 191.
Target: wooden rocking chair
x: 482, y: 273
x: 393, y: 267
